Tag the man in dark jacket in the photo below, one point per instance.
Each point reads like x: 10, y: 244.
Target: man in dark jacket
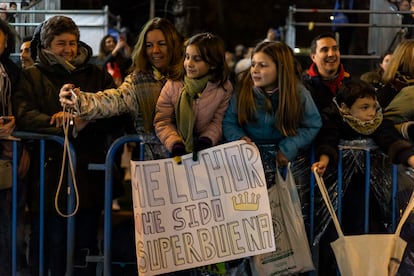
x: 324, y: 79
x: 61, y: 58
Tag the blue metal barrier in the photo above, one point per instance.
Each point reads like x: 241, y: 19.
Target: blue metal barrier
x: 135, y: 138
x: 394, y: 197
x: 14, y: 211
x: 339, y: 189
x: 108, y: 168
x: 312, y: 199
x: 21, y: 136
x: 367, y: 152
x: 108, y: 194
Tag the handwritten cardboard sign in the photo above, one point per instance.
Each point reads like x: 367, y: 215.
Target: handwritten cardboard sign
x: 198, y: 213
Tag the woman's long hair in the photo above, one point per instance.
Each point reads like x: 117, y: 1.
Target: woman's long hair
x: 103, y: 51
x: 174, y: 43
x: 402, y: 61
x: 10, y: 35
x: 212, y: 51
x: 289, y: 110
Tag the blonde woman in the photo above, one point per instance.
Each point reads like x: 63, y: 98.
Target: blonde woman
x: 397, y: 96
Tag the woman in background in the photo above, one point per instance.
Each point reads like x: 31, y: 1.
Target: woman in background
x: 115, y: 57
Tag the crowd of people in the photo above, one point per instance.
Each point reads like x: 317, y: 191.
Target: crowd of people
x: 8, y: 16
x: 183, y: 95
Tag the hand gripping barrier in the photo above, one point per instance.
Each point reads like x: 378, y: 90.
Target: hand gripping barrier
x: 366, y: 151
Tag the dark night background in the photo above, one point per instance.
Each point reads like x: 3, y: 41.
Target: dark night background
x: 236, y: 22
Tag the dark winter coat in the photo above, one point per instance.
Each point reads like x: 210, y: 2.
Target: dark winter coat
x: 321, y: 93
x: 12, y: 70
x: 335, y: 129
x: 35, y: 100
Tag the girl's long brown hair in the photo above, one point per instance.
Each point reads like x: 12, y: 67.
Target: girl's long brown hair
x: 212, y: 51
x: 103, y: 52
x: 289, y: 111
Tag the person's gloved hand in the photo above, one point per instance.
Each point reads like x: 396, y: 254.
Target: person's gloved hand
x: 200, y: 144
x: 178, y: 149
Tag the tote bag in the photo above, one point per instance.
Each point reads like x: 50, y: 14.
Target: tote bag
x: 367, y: 254
x: 292, y: 253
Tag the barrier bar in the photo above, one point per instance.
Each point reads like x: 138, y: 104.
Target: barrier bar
x: 70, y: 221
x: 110, y: 157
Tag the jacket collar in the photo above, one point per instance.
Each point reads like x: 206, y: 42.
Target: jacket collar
x: 334, y: 83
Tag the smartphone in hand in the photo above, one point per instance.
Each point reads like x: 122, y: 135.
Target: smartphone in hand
x: 73, y: 96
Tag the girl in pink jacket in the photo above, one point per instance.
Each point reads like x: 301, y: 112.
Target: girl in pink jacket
x: 190, y: 109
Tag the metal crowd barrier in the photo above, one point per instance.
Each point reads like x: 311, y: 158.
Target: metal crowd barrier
x: 383, y: 23
x: 367, y: 152
x: 43, y: 139
x: 108, y: 168
x: 135, y: 138
x: 339, y: 190
x: 110, y: 157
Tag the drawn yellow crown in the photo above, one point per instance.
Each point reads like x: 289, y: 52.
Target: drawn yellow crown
x: 244, y: 203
